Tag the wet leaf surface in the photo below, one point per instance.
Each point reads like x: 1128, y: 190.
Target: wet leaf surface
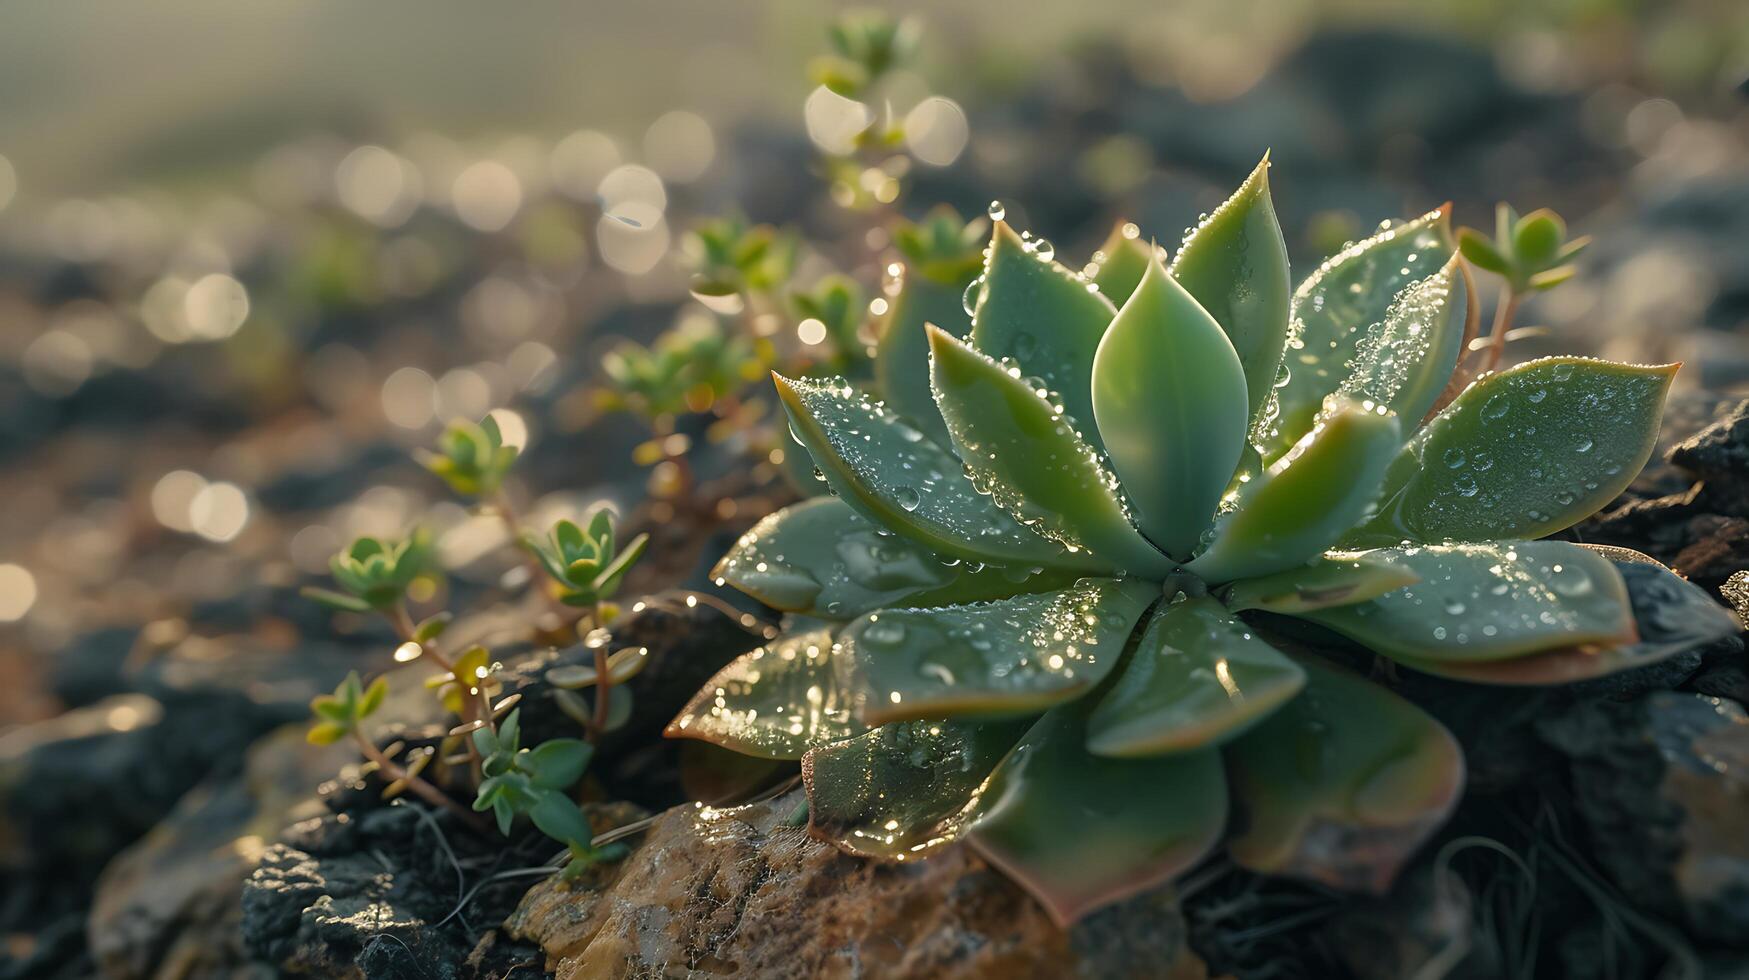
x: 1235, y: 263
x: 1004, y: 658
x: 1079, y: 831
x: 904, y: 790
x: 1306, y: 500
x: 822, y: 558
x: 901, y: 362
x: 1169, y: 396
x: 893, y: 475
x: 1405, y: 360
x: 775, y: 702
x: 1118, y: 266
x: 1045, y: 317
x: 1491, y: 602
x: 1333, y: 308
x: 1197, y: 678
x: 1021, y: 450
x: 1522, y: 453
x: 1337, y: 579
x: 1341, y: 784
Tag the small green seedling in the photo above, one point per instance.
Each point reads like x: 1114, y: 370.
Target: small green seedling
x: 586, y: 564
x: 1530, y: 253
x: 866, y: 45
x: 1067, y: 606
x: 532, y: 783
x: 340, y: 714
x: 471, y: 457
x: 375, y: 574
x: 690, y: 368
x: 733, y: 260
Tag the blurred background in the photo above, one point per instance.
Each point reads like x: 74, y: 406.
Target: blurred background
x: 252, y: 254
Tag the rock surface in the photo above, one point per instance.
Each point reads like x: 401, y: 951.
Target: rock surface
x: 1661, y: 784
x: 740, y: 892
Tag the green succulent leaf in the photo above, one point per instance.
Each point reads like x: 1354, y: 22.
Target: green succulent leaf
x: 326, y: 733
x: 1235, y: 263
x: 1522, y: 454
x: 1306, y: 500
x: 1484, y: 602
x: 894, y: 476
x: 1672, y: 615
x: 1005, y: 658
x: 1117, y: 268
x: 1079, y: 831
x: 1405, y: 360
x: 1332, y: 310
x: 622, y: 666
x: 559, y: 818
x: 901, y: 363
x: 776, y: 702
x: 608, y: 580
x: 557, y: 762
x: 822, y: 558
x: 1198, y: 677
x: 1169, y: 396
x: 1342, y: 783
x: 1337, y: 579
x: 1481, y: 253
x: 903, y: 791
x: 1046, y: 318
x: 1019, y: 447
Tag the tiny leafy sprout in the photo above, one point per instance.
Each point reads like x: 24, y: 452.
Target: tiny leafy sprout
x: 731, y: 258
x: 688, y: 369
x: 338, y: 715
x: 1034, y: 626
x: 473, y: 675
x: 1530, y: 252
x: 585, y: 562
x: 375, y: 574
x: 532, y: 783
x: 471, y: 457
x: 943, y: 246
x: 835, y: 304
x: 866, y: 45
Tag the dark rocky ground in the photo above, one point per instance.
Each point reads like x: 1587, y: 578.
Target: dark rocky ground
x: 160, y: 813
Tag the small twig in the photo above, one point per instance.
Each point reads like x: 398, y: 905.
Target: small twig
x: 1503, y: 314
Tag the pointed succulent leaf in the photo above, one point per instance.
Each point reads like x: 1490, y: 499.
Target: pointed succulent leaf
x: 1522, y: 453
x: 1044, y: 317
x: 557, y: 762
x: 1235, y: 263
x: 372, y: 699
x: 1198, y: 677
x: 601, y: 530
x: 504, y: 814
x: 1169, y: 396
x: 326, y: 733
x: 607, y: 582
x: 903, y: 791
x: 1117, y: 268
x: 1491, y: 602
x: 559, y: 818
x: 1480, y: 251
x: 1080, y: 831
x: 1035, y: 466
x: 1333, y: 308
x: 776, y: 702
x: 432, y: 627
x: 822, y: 558
x: 1671, y: 614
x: 1342, y: 784
x: 1306, y: 500
x: 1406, y: 359
x: 1337, y: 579
x: 901, y: 362
x: 1010, y: 657
x: 894, y: 476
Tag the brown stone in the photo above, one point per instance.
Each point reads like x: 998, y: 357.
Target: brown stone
x: 739, y: 892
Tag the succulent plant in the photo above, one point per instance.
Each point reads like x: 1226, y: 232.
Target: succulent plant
x: 1531, y: 252
x: 1070, y: 608
x: 532, y: 783
x: 338, y: 715
x: 375, y: 574
x: 587, y: 565
x: 689, y: 368
x: 471, y: 457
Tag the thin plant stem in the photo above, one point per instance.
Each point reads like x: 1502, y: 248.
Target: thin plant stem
x: 1503, y: 315
x: 603, y: 682
x: 419, y: 787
